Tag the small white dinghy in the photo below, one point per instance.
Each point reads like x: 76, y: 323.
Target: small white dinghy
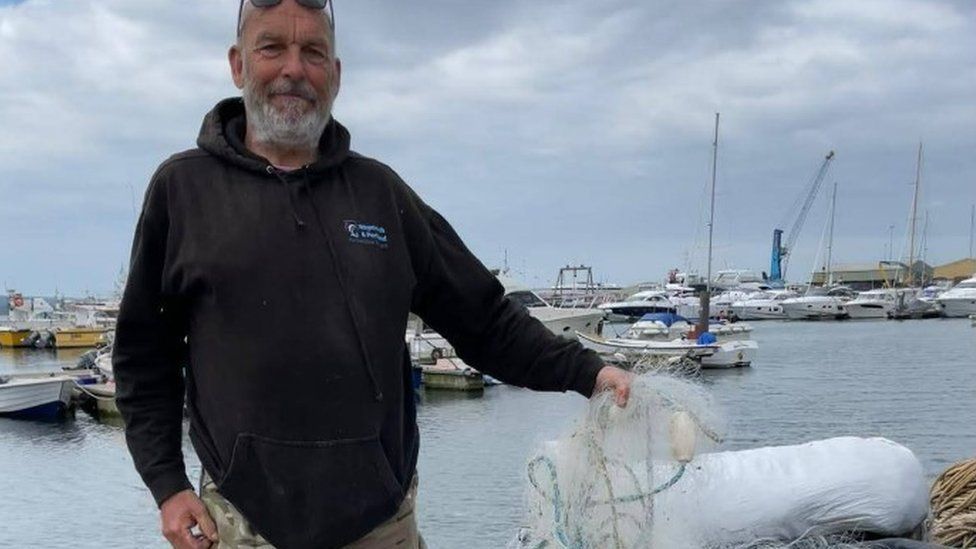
x: 45, y: 398
x: 735, y: 353
x: 630, y: 347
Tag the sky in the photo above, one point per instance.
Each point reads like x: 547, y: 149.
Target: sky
x: 547, y: 132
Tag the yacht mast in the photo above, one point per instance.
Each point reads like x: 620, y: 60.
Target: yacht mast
x: 706, y: 297
x: 972, y: 229
x: 830, y: 242
x: 911, y: 245
x: 711, y: 214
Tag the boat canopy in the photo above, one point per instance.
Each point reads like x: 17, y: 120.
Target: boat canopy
x: 664, y: 318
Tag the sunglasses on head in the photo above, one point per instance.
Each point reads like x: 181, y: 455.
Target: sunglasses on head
x: 311, y: 4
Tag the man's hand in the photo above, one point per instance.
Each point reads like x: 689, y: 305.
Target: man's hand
x: 181, y: 512
x: 611, y: 378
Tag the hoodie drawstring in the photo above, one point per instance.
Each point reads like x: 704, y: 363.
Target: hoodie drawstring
x: 299, y: 222
x: 324, y: 231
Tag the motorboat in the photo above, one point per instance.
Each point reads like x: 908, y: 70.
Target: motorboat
x: 765, y: 305
x: 667, y: 327
x: 877, y: 303
x: 960, y: 301
x: 11, y: 336
x: 563, y: 322
x: 831, y: 305
x: 739, y: 279
x: 732, y: 354
x: 729, y: 354
x: 909, y: 305
x: 30, y: 397
x: 645, y: 347
x: 641, y: 303
x: 727, y: 345
x: 931, y: 293
x: 721, y: 305
x: 79, y: 337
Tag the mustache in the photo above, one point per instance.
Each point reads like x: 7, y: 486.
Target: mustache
x: 290, y: 87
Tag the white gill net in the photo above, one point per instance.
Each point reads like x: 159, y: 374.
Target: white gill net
x: 605, y: 485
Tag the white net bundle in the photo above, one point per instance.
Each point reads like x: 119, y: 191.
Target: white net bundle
x: 645, y: 476
x: 596, y: 488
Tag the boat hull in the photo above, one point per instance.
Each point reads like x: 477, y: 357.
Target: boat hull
x: 15, y: 338
x: 868, y: 310
x: 814, y: 309
x: 958, y: 307
x: 79, y: 338
x: 643, y: 347
x: 36, y: 398
x: 566, y: 322
x: 732, y: 354
x: 637, y: 311
x: 758, y: 312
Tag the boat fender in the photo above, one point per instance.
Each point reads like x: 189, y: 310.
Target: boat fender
x: 682, y: 436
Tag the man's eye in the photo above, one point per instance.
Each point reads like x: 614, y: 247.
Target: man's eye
x: 316, y: 56
x: 270, y: 49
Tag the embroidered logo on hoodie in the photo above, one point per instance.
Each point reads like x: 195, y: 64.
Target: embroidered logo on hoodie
x: 366, y: 233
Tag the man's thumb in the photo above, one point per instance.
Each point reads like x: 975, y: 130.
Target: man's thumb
x: 205, y: 522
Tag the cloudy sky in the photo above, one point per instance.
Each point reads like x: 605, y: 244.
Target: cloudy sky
x: 555, y: 131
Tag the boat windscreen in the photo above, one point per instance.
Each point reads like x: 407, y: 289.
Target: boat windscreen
x: 526, y: 299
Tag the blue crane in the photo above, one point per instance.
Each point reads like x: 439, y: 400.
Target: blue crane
x: 781, y: 252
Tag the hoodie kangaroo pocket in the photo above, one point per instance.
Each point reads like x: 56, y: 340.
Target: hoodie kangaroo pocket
x: 311, y: 493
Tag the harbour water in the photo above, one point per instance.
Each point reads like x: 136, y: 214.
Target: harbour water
x: 72, y: 484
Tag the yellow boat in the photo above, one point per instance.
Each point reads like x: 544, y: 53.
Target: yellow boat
x: 73, y: 338
x: 13, y: 337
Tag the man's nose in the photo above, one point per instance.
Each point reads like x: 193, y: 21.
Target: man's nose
x: 293, y: 67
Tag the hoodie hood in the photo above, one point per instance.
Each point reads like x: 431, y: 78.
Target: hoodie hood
x: 222, y: 135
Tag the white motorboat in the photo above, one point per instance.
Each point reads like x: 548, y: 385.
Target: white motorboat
x: 732, y: 354
x: 960, y: 301
x: 876, y: 303
x: 668, y: 327
x: 648, y: 347
x: 562, y: 322
x: 43, y: 398
x: 824, y: 304
x: 767, y: 305
x: 739, y: 279
x: 641, y: 303
x: 721, y: 305
x: 831, y: 306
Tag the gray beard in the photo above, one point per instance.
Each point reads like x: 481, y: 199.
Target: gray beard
x: 286, y: 128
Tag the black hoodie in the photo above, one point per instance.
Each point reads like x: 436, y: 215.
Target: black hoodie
x: 277, y: 302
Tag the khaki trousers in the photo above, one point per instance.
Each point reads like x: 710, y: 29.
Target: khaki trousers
x: 233, y: 530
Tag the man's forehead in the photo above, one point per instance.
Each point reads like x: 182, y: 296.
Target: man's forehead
x: 285, y: 19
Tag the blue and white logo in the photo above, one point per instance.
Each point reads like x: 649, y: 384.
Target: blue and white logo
x: 366, y: 233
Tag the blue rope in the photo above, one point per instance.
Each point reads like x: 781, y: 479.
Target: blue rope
x: 557, y: 504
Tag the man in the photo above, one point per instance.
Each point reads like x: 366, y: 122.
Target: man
x: 271, y: 277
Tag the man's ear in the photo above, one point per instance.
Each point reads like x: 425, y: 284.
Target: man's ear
x: 338, y: 79
x: 236, y: 59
